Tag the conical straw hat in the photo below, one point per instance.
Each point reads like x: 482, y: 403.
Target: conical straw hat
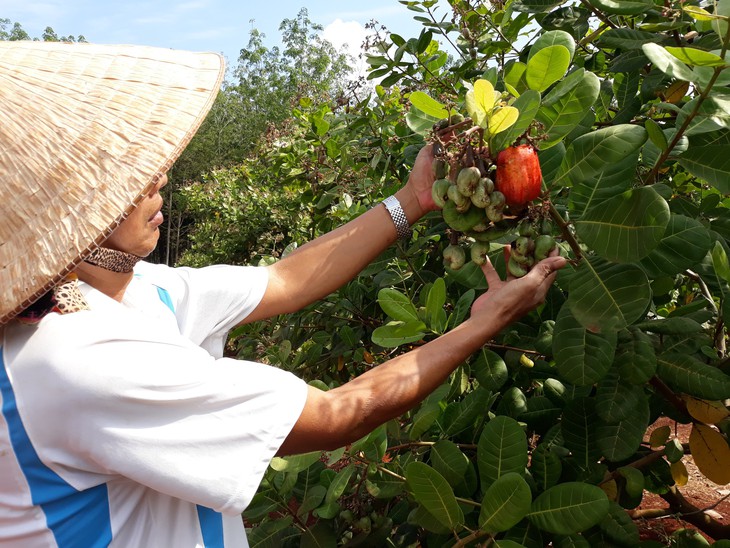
x: 85, y: 131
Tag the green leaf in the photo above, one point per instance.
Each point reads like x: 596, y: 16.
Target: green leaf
x: 395, y: 334
x: 514, y: 77
x: 269, y: 534
x: 711, y: 163
x: 546, y: 67
x: 606, y: 297
x: 424, y: 419
x: 468, y: 410
x: 295, y: 463
x: 582, y: 357
x: 619, y: 440
x: 397, y: 305
x: 671, y: 326
x: 696, y: 57
x: 656, y: 134
x: 627, y: 227
x: 567, y: 104
x: 545, y: 467
x: 698, y: 13
x: 536, y: 6
x: 502, y: 448
x: 685, y: 243
x: 428, y: 105
x: 489, y: 370
x: 320, y: 535
x: 619, y: 527
x: 578, y: 427
x: 711, y: 115
x: 720, y: 262
x: 435, y: 305
x: 553, y: 38
x: 626, y: 38
x: 419, y: 122
x: 569, y: 508
x: 623, y: 7
x: 449, y: 461
x: 691, y: 376
x: 527, y: 104
x: 616, y: 399
x: 667, y: 63
x: 434, y: 493
x: 339, y: 484
x: 589, y: 154
x: 613, y: 181
x: 506, y: 502
x: 635, y: 358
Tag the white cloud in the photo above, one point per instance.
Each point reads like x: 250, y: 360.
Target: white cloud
x: 349, y: 35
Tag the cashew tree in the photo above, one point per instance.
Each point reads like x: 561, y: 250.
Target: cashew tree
x: 617, y: 114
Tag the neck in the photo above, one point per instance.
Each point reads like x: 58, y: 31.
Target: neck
x: 112, y: 284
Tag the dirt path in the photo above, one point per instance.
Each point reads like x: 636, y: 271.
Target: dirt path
x: 699, y: 491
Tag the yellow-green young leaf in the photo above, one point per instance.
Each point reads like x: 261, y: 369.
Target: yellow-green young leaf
x: 546, y: 67
x: 679, y: 473
x: 502, y: 119
x: 697, y: 13
x: 514, y: 78
x: 480, y: 101
x: 429, y: 105
x: 710, y: 452
x: 660, y: 436
x: 696, y: 57
x: 708, y: 412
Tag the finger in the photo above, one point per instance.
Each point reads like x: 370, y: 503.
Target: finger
x: 490, y: 273
x: 548, y: 268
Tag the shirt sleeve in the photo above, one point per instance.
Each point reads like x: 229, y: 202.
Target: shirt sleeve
x: 154, y: 409
x: 208, y: 302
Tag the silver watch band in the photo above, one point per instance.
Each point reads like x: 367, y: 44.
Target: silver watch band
x: 402, y: 228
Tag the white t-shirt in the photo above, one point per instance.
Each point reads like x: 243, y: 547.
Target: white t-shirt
x: 123, y: 425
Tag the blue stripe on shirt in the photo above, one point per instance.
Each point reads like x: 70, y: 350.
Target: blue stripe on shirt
x: 76, y: 518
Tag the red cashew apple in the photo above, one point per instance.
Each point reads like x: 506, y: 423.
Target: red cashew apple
x: 518, y: 175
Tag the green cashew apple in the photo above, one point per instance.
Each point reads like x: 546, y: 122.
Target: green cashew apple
x: 497, y: 199
x: 524, y: 245
x: 481, y: 195
x: 467, y: 180
x: 461, y: 202
x: 439, y: 192
x: 514, y: 268
x: 462, y: 221
x: 544, y: 244
x: 495, y: 213
x: 479, y: 252
x: 454, y: 256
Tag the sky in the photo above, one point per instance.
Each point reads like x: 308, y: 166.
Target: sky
x: 204, y: 25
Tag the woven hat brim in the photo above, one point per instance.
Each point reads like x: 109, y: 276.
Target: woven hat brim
x: 86, y: 131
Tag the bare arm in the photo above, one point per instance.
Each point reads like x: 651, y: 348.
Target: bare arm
x: 323, y: 265
x: 345, y: 414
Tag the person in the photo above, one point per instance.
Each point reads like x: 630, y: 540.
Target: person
x: 121, y: 421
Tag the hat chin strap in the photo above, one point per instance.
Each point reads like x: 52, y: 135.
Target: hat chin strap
x: 113, y: 260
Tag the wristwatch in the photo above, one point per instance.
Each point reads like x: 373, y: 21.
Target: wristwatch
x: 402, y: 228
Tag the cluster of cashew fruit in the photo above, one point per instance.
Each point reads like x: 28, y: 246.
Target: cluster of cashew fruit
x: 484, y: 200
x: 530, y: 247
